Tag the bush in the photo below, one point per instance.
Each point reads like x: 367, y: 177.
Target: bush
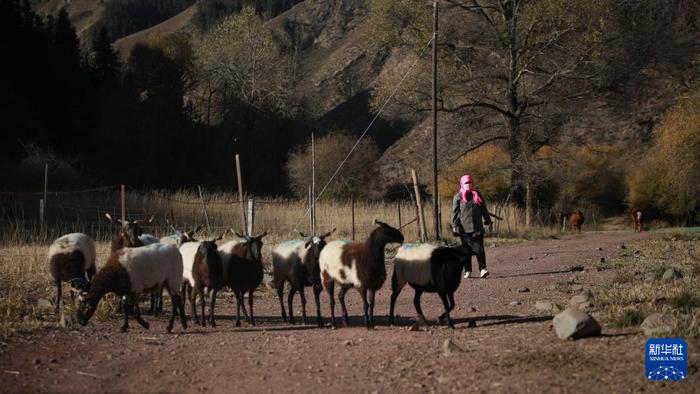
x: 669, y: 180
x: 331, y: 149
x: 489, y: 166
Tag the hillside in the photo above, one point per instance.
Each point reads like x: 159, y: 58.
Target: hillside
x: 339, y: 69
x: 84, y: 14
x: 180, y: 23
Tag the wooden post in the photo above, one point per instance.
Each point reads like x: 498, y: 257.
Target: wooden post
x: 311, y: 211
x: 41, y: 215
x: 419, y: 207
x: 204, y: 208
x: 251, y: 216
x: 240, y: 192
x: 352, y: 205
x: 123, y: 200
x: 400, y: 224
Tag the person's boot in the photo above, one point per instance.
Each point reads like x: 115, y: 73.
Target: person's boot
x: 484, y: 273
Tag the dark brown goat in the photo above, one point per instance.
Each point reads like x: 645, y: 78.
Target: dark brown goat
x: 206, y: 272
x: 128, y: 235
x: 244, y: 270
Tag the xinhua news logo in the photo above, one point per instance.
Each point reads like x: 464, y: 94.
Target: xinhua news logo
x: 666, y: 359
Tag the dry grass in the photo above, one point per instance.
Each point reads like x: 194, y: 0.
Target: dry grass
x: 638, y: 290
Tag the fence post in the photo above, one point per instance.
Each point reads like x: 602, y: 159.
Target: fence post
x: 240, y: 191
x: 251, y: 216
x: 400, y: 224
x: 352, y: 205
x: 311, y: 212
x: 419, y: 208
x: 41, y: 215
x: 123, y: 201
x: 204, y: 207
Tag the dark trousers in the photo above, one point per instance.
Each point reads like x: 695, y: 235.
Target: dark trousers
x: 475, y: 242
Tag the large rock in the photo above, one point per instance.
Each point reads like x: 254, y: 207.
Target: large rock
x: 671, y: 275
x: 574, y: 324
x: 658, y: 324
x: 547, y: 306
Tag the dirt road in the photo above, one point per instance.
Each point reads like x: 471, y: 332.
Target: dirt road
x: 511, y: 348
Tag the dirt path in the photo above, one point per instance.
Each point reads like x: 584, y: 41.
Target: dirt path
x: 512, y: 347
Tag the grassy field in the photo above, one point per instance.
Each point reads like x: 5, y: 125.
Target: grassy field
x: 638, y: 289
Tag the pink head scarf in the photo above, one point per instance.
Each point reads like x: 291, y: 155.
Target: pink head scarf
x: 466, y: 186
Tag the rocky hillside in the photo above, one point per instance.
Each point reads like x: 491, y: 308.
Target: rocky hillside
x: 339, y: 68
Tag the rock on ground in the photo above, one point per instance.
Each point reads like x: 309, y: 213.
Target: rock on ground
x: 581, y: 301
x: 574, y: 324
x: 547, y: 306
x: 658, y: 324
x: 671, y: 275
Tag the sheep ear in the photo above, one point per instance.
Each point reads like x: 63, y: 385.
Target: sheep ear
x: 151, y: 219
x: 302, y: 234
x: 239, y: 235
x: 375, y: 221
x: 220, y: 237
x: 109, y: 217
x: 328, y: 233
x: 261, y: 235
x: 197, y: 229
x: 306, y: 245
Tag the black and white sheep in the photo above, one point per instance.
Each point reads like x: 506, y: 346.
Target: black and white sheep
x: 359, y: 265
x: 130, y: 272
x: 242, y: 262
x: 72, y: 259
x: 202, y: 269
x: 296, y: 262
x: 431, y: 269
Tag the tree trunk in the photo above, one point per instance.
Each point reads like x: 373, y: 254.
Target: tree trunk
x: 529, y: 200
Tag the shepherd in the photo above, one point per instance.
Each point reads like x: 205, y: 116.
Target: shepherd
x: 468, y: 210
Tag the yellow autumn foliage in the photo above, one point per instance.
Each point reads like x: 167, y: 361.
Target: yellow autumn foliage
x: 488, y: 166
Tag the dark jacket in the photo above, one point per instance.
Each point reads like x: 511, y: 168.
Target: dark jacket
x: 466, y: 216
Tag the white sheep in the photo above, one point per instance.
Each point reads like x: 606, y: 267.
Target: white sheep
x: 72, y: 257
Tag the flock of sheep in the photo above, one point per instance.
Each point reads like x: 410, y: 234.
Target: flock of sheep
x: 143, y: 264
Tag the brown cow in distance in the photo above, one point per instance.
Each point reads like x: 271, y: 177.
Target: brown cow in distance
x: 637, y: 220
x: 576, y: 219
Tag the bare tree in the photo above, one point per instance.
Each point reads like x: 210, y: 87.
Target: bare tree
x: 522, y: 63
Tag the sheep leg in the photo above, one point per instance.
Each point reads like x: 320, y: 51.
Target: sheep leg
x: 416, y: 304
x: 303, y: 305
x: 395, y: 291
x: 330, y: 290
x: 193, y: 298
x: 202, y: 304
x: 451, y: 298
x: 122, y: 302
x: 365, y: 307
x: 159, y: 303
x: 446, y: 304
x: 372, y: 293
x: 317, y: 297
x: 290, y: 300
x: 59, y: 290
x: 250, y: 304
x: 280, y: 290
x: 137, y: 316
x: 341, y: 298
x: 212, y: 302
x: 152, y: 308
x: 175, y: 300
x: 238, y: 307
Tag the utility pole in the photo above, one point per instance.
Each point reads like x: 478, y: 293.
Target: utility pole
x: 313, y: 185
x: 436, y: 196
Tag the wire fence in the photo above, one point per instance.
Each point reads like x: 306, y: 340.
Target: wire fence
x: 84, y: 211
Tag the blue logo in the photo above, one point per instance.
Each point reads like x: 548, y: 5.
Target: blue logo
x: 666, y: 359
